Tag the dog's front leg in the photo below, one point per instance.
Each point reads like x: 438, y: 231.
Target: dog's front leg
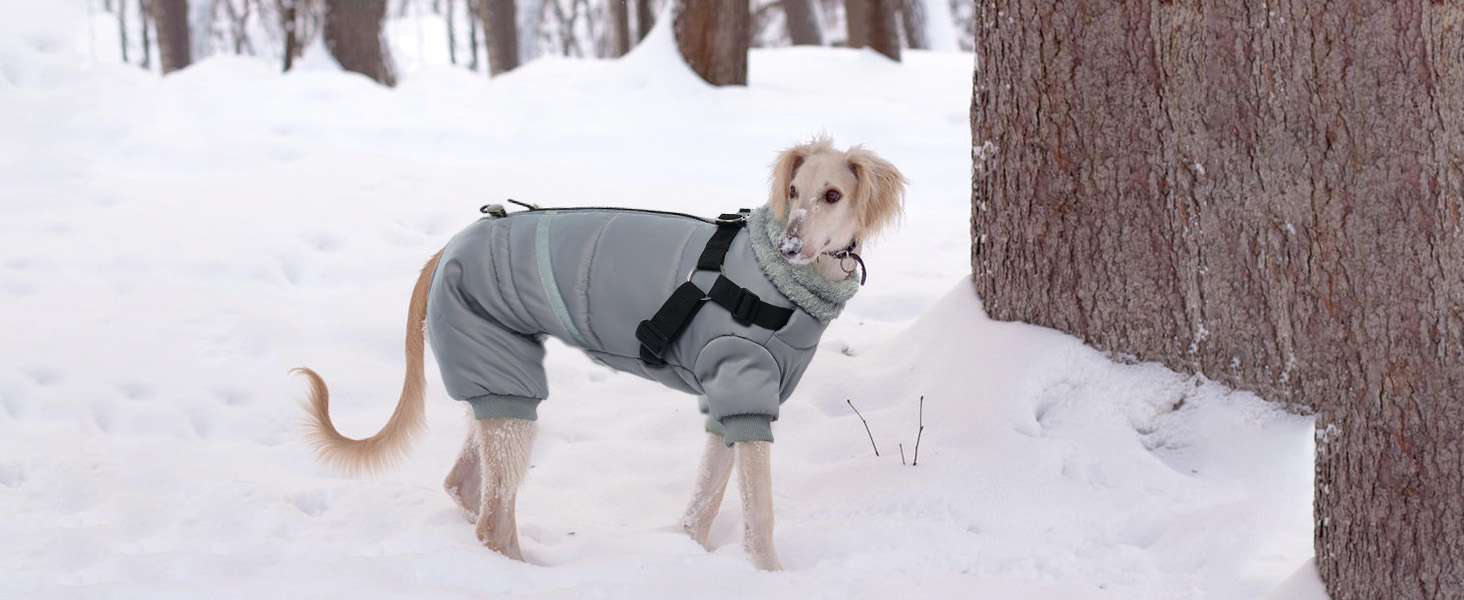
x: 504, y: 459
x: 711, y: 484
x: 755, y: 478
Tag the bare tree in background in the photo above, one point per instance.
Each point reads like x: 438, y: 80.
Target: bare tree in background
x: 473, y: 32
x: 713, y: 37
x: 500, y: 30
x: 452, y: 32
x: 645, y: 19
x: 144, y: 10
x: 171, y: 17
x: 803, y: 26
x: 122, y: 26
x: 352, y: 32
x: 290, y: 23
x: 912, y: 17
x: 872, y: 24
x: 1266, y: 193
x: 619, y: 14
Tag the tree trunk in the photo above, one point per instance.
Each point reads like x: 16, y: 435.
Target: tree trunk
x: 353, y: 35
x: 872, y: 25
x: 144, y: 11
x: 473, y: 33
x: 289, y: 18
x: 171, y: 19
x: 644, y: 19
x: 451, y: 32
x: 500, y: 33
x: 619, y: 27
x: 803, y: 27
x: 122, y: 26
x: 1271, y: 194
x: 912, y: 17
x: 713, y: 38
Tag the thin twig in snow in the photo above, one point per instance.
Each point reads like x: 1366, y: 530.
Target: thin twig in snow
x: 866, y: 426
x: 916, y: 460
x: 902, y: 454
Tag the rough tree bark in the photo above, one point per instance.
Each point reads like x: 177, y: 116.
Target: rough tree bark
x: 872, y: 25
x: 912, y: 18
x: 713, y: 37
x: 352, y: 32
x: 171, y: 19
x: 1268, y: 193
x: 500, y: 34
x: 619, y: 27
x: 803, y: 27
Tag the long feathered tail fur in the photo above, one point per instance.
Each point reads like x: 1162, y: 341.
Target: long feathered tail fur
x: 390, y: 444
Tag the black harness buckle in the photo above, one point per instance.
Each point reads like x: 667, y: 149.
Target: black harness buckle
x: 747, y: 305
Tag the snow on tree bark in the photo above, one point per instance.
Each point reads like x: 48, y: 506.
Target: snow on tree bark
x: 1268, y: 193
x: 353, y: 35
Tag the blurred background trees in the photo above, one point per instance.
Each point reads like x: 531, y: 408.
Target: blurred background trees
x: 497, y: 36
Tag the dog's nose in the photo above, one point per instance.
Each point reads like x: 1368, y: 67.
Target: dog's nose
x: 790, y: 246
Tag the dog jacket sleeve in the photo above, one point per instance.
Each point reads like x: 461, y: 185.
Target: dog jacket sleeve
x: 742, y: 383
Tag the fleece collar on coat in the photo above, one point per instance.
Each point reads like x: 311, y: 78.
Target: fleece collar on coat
x: 802, y: 284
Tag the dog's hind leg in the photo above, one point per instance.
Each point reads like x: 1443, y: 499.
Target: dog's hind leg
x: 755, y: 479
x: 711, y: 484
x: 464, y: 483
x: 504, y: 446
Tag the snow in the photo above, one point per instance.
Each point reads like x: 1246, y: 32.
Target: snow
x: 170, y: 247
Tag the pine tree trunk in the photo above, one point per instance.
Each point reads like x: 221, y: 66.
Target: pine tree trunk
x: 872, y: 25
x: 912, y: 17
x: 352, y: 33
x: 500, y: 34
x: 619, y: 27
x: 713, y: 38
x: 171, y: 19
x: 1268, y: 193
x: 803, y: 27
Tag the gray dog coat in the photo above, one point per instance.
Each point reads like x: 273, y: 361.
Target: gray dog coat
x: 588, y: 277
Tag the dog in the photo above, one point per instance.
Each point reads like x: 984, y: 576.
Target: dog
x: 595, y: 278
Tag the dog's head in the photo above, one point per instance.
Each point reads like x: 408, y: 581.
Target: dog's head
x: 832, y: 199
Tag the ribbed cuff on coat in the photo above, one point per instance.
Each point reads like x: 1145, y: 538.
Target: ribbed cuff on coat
x: 746, y: 428
x: 505, y: 406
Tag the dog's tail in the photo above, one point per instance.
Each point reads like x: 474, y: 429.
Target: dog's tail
x: 390, y: 444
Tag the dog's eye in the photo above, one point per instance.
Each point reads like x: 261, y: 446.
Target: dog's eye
x: 832, y: 196
x: 793, y: 192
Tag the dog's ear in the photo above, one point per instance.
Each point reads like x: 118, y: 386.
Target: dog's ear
x: 785, y: 167
x: 880, y: 197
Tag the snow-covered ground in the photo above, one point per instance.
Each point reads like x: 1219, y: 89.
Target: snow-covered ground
x: 169, y: 248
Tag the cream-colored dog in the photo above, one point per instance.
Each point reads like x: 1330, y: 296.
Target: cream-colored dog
x: 835, y: 200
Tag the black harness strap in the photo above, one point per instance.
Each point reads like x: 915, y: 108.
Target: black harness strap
x: 658, y: 332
